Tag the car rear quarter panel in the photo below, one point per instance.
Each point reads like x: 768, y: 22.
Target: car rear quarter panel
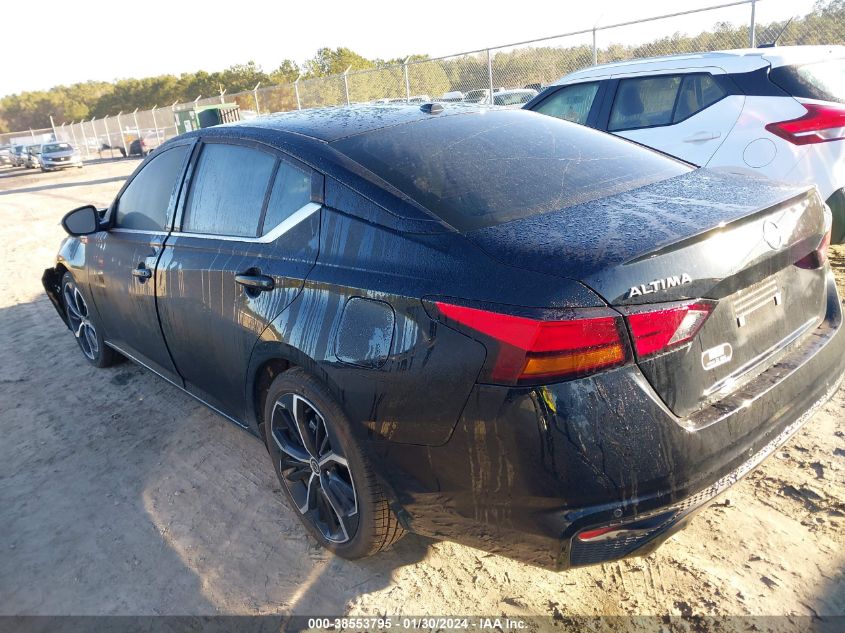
x: 415, y: 390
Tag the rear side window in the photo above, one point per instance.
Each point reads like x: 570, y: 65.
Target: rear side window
x: 291, y: 191
x: 822, y: 80
x: 697, y: 92
x: 644, y: 102
x: 144, y: 203
x: 476, y: 170
x: 514, y: 98
x: 570, y: 103
x: 228, y: 190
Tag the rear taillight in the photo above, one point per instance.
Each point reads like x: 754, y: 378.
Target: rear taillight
x: 820, y: 124
x: 818, y: 257
x: 659, y: 328
x: 523, y: 350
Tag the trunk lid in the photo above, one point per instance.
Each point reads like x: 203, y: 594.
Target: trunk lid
x: 713, y: 235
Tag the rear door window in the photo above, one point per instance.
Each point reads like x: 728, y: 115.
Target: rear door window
x: 644, y: 102
x: 822, y: 80
x: 291, y: 191
x: 144, y: 203
x: 570, y: 103
x: 228, y: 189
x: 698, y: 91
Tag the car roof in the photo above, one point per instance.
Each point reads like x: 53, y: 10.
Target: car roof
x: 735, y: 60
x: 331, y: 124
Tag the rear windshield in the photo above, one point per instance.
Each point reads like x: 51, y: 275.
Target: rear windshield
x: 478, y: 170
x: 821, y: 80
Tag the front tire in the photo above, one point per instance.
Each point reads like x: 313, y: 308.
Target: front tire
x: 82, y: 323
x: 327, y: 479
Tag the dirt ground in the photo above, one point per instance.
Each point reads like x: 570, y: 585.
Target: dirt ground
x: 119, y: 494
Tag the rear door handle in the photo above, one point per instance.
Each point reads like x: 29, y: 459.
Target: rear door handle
x: 702, y: 136
x: 255, y: 281
x: 142, y: 272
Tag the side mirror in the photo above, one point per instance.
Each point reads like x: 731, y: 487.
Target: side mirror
x: 82, y: 221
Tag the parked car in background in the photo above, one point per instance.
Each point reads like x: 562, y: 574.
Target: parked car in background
x: 5, y: 155
x: 31, y: 158
x: 515, y: 98
x: 777, y: 111
x: 144, y: 145
x: 479, y: 324
x: 482, y: 95
x: 55, y: 156
x: 18, y: 155
x: 453, y: 96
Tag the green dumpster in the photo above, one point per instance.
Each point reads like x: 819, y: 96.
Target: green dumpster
x: 191, y: 118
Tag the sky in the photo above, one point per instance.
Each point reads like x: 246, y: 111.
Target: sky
x: 57, y: 42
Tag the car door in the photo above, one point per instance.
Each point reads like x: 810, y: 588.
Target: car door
x: 684, y: 114
x: 248, y: 231
x: 123, y: 275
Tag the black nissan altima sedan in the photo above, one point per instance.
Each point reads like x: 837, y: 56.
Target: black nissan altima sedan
x: 488, y: 326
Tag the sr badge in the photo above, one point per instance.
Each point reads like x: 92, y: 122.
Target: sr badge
x: 715, y: 356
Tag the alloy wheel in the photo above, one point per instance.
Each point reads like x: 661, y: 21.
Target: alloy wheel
x: 80, y: 323
x: 313, y: 468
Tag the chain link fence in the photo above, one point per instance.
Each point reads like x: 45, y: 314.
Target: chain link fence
x: 482, y: 76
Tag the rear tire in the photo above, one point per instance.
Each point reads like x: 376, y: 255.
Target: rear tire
x: 84, y: 325
x: 327, y: 479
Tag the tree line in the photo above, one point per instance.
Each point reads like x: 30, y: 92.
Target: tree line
x: 322, y: 84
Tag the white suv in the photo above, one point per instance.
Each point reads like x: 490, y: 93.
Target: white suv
x: 778, y: 111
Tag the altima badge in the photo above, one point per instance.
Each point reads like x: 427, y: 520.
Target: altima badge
x: 715, y: 356
x: 659, y: 284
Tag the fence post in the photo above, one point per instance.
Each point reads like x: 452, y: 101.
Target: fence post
x: 155, y: 125
x: 752, y: 32
x: 255, y: 96
x: 32, y: 134
x: 62, y: 128
x: 84, y: 137
x: 97, y: 143
x: 73, y: 134
x: 222, y: 92
x: 296, y: 91
x: 122, y: 138
x: 490, y: 75
x: 108, y: 134
x: 53, y: 125
x: 595, y: 50
x: 407, y: 79
x: 137, y: 129
x: 173, y: 117
x: 346, y: 83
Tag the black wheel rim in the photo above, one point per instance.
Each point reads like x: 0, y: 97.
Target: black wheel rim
x: 80, y: 323
x: 313, y: 468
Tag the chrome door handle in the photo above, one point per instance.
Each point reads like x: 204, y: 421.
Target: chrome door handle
x: 699, y: 137
x: 142, y: 272
x: 255, y: 281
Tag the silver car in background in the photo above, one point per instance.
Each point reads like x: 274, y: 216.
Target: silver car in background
x: 59, y: 156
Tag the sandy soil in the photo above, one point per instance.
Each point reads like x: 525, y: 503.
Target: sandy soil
x: 121, y: 495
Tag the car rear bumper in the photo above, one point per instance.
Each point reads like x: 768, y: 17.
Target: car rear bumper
x: 528, y: 470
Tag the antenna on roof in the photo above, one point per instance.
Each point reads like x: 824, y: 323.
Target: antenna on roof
x: 774, y: 42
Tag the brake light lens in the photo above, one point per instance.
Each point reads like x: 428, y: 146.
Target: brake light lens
x: 658, y: 329
x: 821, y: 123
x: 523, y: 350
x: 818, y: 257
